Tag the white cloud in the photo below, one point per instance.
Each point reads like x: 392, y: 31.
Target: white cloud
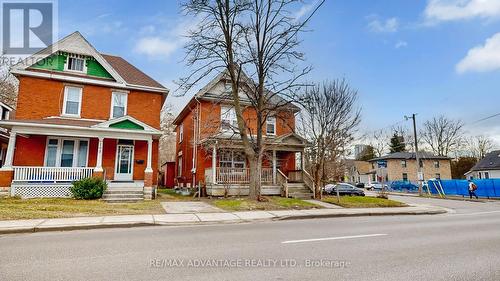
x: 163, y: 44
x: 305, y: 9
x: 482, y: 58
x: 389, y: 25
x: 156, y: 46
x: 451, y: 10
x: 400, y: 44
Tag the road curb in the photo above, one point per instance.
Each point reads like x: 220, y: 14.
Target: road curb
x: 39, y: 227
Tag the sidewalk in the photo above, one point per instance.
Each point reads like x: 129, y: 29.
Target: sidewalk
x: 36, y: 225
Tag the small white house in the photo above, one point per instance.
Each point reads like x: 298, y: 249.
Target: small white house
x: 487, y: 168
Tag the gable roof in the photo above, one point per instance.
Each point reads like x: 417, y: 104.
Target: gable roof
x: 205, y: 93
x: 424, y: 155
x: 110, y: 123
x: 490, y: 162
x: 124, y: 74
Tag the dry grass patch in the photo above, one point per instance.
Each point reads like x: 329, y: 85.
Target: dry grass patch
x: 362, y: 202
x: 270, y: 203
x: 12, y: 208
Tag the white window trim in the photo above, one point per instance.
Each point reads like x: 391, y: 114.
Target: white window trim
x: 233, y: 161
x: 65, y: 100
x: 268, y: 122
x: 59, y: 150
x: 66, y: 64
x: 112, y: 107
x: 181, y: 133
x: 225, y: 111
x: 180, y: 168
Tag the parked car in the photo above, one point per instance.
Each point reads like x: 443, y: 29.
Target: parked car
x: 403, y: 186
x: 344, y: 189
x: 360, y: 185
x: 376, y: 186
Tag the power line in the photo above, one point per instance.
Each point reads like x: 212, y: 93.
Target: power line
x: 485, y: 118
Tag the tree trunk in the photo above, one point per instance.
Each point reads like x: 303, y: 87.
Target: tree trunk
x: 255, y: 166
x: 317, y: 181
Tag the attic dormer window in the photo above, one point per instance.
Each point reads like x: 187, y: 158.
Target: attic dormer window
x: 75, y: 63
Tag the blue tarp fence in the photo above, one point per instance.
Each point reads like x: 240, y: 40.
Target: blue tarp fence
x: 485, y: 187
x: 489, y: 188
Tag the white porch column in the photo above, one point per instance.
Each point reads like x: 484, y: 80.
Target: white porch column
x: 214, y: 164
x: 274, y: 166
x: 149, y: 169
x: 98, y: 165
x: 9, y: 157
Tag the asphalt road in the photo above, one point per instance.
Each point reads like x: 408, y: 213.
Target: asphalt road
x: 461, y: 246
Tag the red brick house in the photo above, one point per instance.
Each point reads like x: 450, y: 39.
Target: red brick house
x: 81, y: 113
x: 209, y: 152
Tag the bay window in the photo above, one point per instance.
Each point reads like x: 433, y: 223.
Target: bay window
x: 66, y: 152
x: 232, y: 159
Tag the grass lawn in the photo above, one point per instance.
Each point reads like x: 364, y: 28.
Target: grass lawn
x: 273, y: 203
x: 170, y: 195
x: 362, y: 202
x: 13, y: 208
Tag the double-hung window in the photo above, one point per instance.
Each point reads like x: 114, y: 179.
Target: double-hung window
x: 436, y: 164
x: 118, y: 104
x: 228, y: 119
x: 66, y: 152
x: 72, y: 101
x: 271, y: 126
x: 181, y: 132
x: 403, y: 163
x: 75, y: 63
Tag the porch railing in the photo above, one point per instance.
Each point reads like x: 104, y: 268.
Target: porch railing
x: 238, y: 175
x: 51, y: 174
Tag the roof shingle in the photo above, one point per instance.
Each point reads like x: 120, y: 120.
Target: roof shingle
x: 130, y: 73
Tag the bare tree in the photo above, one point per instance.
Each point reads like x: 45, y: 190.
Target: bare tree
x: 478, y: 146
x: 256, y: 44
x: 378, y: 140
x: 329, y: 120
x: 8, y: 85
x: 442, y: 135
x: 167, y: 139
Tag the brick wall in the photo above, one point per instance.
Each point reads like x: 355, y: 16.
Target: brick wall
x: 395, y: 170
x: 39, y: 98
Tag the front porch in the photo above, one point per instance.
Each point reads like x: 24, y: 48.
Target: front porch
x: 281, y: 173
x: 45, y: 162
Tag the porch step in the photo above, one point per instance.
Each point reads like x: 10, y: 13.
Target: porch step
x: 123, y: 200
x: 122, y: 195
x: 123, y: 192
x: 299, y: 191
x: 301, y: 195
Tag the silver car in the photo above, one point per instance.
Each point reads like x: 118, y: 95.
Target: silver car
x: 376, y: 186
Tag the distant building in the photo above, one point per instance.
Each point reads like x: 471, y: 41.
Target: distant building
x: 358, y: 171
x: 402, y: 166
x: 487, y: 168
x: 359, y: 150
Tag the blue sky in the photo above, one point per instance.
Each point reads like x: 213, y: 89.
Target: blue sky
x: 428, y: 57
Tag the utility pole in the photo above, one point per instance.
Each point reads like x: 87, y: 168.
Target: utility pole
x: 417, y: 158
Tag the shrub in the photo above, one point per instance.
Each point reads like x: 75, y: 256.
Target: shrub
x: 88, y: 188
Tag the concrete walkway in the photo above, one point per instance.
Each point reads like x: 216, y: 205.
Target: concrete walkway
x: 35, y: 225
